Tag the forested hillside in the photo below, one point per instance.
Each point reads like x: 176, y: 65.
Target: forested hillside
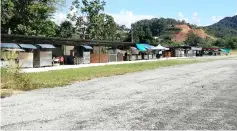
x: 226, y: 27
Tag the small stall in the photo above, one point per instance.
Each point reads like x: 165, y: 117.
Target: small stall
x: 211, y: 51
x: 143, y: 51
x: 115, y: 55
x: 26, y: 59
x: 225, y: 51
x: 158, y: 50
x: 133, y: 54
x: 194, y: 52
x: 82, y: 54
x: 120, y: 54
x: 182, y: 51
x: 99, y: 55
x: 150, y: 53
x: 43, y: 55
x: 9, y: 51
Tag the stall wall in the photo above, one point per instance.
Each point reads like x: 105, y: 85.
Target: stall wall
x: 99, y: 58
x: 45, y: 58
x: 26, y: 60
x: 112, y: 57
x: 67, y: 50
x: 119, y: 57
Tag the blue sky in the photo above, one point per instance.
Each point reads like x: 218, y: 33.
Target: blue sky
x: 198, y: 12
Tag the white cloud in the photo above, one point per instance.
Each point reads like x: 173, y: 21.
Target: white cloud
x: 182, y: 17
x: 236, y: 13
x: 126, y: 17
x: 59, y: 17
x: 195, y: 19
x: 216, y: 18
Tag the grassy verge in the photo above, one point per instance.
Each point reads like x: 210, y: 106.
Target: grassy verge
x: 30, y: 81
x: 233, y: 52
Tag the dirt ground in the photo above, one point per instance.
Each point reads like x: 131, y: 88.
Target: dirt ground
x: 196, y: 96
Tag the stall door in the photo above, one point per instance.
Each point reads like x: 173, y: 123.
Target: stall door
x: 112, y: 57
x: 46, y: 58
x: 26, y: 60
x: 86, y: 56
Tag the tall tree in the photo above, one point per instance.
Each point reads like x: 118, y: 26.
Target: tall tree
x: 66, y: 29
x: 88, y: 17
x: 27, y: 17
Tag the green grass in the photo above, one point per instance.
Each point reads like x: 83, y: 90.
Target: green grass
x: 67, y: 76
x: 50, y: 79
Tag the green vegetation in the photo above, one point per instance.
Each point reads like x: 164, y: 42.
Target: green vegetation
x: 226, y: 31
x: 28, y: 17
x: 146, y: 30
x: 225, y: 28
x: 11, y: 78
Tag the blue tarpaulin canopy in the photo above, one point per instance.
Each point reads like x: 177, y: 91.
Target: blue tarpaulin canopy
x: 141, y: 47
x: 147, y: 46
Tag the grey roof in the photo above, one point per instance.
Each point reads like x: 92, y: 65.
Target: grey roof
x: 10, y: 45
x: 28, y: 46
x: 46, y: 46
x: 87, y: 47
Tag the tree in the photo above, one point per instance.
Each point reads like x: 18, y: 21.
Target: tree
x: 220, y: 43
x: 27, y: 17
x: 226, y: 27
x: 66, y: 29
x: 7, y: 7
x: 110, y: 28
x: 231, y: 43
x: 88, y: 17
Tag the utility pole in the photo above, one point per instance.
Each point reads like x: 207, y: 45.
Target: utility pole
x: 9, y: 31
x: 132, y: 33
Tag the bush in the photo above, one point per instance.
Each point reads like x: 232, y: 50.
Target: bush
x: 11, y: 78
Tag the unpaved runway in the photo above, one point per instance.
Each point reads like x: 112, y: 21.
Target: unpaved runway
x: 196, y: 96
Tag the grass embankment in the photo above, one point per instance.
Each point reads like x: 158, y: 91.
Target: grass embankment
x: 29, y: 81
x: 233, y: 52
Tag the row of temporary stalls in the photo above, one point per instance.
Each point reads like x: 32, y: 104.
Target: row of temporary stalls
x: 188, y: 51
x: 185, y: 51
x: 27, y: 55
x: 100, y: 54
x: 40, y: 55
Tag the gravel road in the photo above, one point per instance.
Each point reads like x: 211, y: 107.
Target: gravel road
x: 196, y: 96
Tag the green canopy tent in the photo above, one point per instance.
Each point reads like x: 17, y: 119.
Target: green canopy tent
x: 226, y: 50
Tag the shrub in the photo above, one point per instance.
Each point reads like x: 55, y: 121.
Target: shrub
x: 11, y: 78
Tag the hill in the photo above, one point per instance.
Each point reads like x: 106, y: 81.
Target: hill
x: 226, y: 27
x: 185, y: 29
x: 166, y: 30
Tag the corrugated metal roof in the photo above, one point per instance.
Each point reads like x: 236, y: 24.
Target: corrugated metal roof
x: 47, y: 46
x: 10, y: 45
x: 28, y: 46
x: 15, y: 50
x: 87, y: 47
